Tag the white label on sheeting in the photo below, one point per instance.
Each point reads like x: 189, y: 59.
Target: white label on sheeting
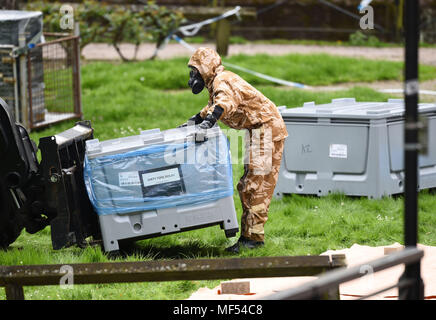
x: 130, y: 178
x: 159, y: 177
x: 338, y: 151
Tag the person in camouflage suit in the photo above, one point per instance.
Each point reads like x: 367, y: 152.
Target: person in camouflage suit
x: 239, y: 105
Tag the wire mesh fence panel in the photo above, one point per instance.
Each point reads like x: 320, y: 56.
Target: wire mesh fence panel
x: 53, y: 82
x: 36, y: 86
x: 8, y: 79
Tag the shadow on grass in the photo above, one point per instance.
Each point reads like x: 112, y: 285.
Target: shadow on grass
x: 10, y: 249
x: 338, y: 196
x: 335, y: 196
x: 168, y: 250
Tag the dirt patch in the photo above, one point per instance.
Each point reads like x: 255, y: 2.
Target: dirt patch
x: 356, y: 255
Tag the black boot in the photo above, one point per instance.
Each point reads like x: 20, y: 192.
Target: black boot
x: 247, y: 243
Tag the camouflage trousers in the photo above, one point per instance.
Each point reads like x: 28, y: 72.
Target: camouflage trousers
x: 256, y: 186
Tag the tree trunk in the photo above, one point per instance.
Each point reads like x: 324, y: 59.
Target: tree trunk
x: 10, y: 5
x: 119, y: 53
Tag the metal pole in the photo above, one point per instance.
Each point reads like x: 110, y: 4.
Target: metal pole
x: 77, y: 74
x: 29, y: 91
x: 24, y: 112
x: 334, y: 278
x: 411, y: 144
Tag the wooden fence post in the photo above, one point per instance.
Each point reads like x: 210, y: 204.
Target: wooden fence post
x: 14, y: 292
x: 223, y: 37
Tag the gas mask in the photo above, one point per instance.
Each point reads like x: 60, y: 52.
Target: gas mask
x: 196, y: 82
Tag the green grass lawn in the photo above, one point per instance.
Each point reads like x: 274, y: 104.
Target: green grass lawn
x: 313, y: 70
x: 120, y: 103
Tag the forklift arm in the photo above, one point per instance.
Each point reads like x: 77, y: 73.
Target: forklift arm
x: 52, y: 192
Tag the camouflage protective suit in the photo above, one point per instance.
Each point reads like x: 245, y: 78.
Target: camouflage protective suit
x: 246, y: 108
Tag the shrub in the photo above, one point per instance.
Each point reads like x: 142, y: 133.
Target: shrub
x: 113, y: 24
x: 359, y: 39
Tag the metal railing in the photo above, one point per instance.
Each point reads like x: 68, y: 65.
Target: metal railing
x: 13, y: 278
x: 317, y: 289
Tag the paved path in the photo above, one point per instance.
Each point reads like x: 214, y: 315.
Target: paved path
x: 100, y: 51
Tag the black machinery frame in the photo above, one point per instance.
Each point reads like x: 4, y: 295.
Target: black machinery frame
x: 411, y: 147
x: 34, y: 194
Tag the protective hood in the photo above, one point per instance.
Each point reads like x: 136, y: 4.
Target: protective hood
x: 208, y: 63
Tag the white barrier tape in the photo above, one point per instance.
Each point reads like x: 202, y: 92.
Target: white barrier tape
x: 348, y: 13
x: 363, y: 4
x: 183, y: 43
x: 269, y: 78
x: 423, y: 92
x: 257, y: 74
x: 193, y: 29
x: 163, y: 45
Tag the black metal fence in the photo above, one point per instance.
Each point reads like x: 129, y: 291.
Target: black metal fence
x: 317, y: 289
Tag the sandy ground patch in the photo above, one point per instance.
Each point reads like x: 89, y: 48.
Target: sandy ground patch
x: 355, y: 255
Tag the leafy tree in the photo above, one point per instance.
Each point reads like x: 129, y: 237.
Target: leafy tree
x: 113, y: 24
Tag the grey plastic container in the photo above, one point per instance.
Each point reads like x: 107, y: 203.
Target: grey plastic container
x: 12, y: 21
x: 141, y: 224
x: 12, y: 24
x: 355, y: 148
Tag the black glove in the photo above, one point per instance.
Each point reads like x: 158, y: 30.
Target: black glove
x: 208, y: 122
x: 211, y: 118
x: 197, y: 119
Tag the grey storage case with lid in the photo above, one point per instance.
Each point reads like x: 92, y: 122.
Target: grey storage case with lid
x: 13, y: 22
x: 132, y: 173
x: 13, y: 83
x: 355, y: 148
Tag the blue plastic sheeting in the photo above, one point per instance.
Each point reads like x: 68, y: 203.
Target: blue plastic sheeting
x: 160, y: 176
